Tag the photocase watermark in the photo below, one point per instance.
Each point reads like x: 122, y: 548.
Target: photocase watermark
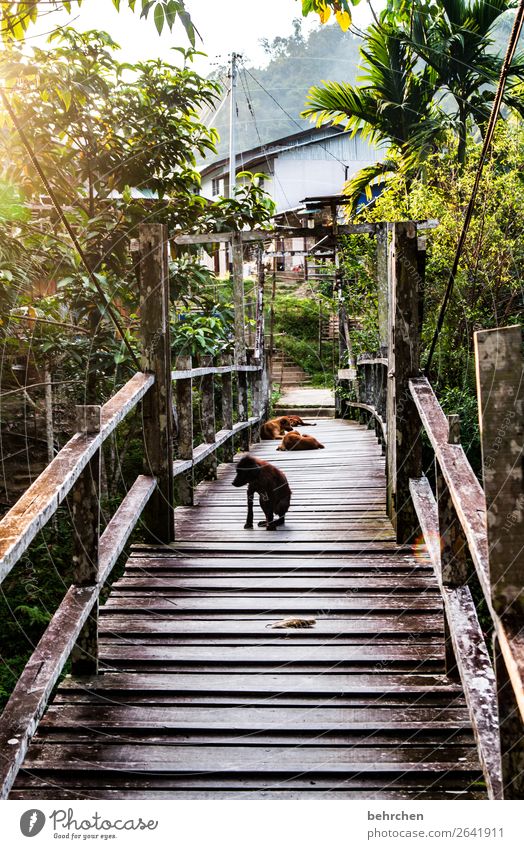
x: 491, y: 455
x: 67, y: 826
x: 32, y: 822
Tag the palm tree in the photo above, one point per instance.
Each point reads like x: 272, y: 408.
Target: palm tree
x: 455, y: 42
x: 394, y: 106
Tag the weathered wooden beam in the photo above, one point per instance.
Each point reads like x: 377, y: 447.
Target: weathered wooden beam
x: 118, y: 530
x: 382, y: 285
x: 510, y: 715
x: 84, y: 502
x: 207, y: 412
x: 184, y: 406
x: 182, y: 374
x: 464, y: 488
x: 228, y: 236
x: 499, y: 358
x: 156, y: 358
x: 31, y: 694
x: 238, y: 300
x: 500, y: 383
x: 472, y: 656
x: 227, y: 407
x: 286, y: 232
x: 403, y: 426
x: 38, y: 504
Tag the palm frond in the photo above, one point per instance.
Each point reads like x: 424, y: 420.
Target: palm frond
x: 363, y: 181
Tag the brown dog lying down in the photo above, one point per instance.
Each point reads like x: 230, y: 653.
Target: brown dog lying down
x: 274, y: 428
x: 295, y: 441
x: 296, y: 421
x: 272, y: 487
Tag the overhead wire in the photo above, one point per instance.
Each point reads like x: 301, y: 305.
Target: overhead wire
x: 488, y: 138
x: 245, y: 85
x: 290, y: 116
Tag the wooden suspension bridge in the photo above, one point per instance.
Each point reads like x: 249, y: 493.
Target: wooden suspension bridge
x: 181, y: 687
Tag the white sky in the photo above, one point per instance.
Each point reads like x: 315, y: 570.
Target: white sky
x: 225, y: 25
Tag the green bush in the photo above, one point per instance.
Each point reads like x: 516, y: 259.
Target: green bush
x: 297, y: 322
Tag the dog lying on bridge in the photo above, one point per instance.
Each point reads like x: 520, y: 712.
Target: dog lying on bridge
x: 272, y: 487
x: 295, y: 441
x: 296, y: 421
x: 275, y: 428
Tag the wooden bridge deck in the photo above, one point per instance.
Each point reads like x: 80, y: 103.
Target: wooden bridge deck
x: 198, y: 697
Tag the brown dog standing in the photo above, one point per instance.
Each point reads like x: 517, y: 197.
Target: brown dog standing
x: 274, y: 428
x: 295, y: 441
x: 272, y: 487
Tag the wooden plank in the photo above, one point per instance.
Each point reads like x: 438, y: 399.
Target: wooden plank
x: 268, y: 719
x: 292, y: 605
x: 228, y: 759
x: 271, y: 584
x: 471, y: 654
x: 331, y: 683
x: 379, y: 626
x: 33, y: 510
x: 274, y: 794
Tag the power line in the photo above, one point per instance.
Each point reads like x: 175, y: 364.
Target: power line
x: 291, y: 117
x: 497, y: 102
x: 245, y: 86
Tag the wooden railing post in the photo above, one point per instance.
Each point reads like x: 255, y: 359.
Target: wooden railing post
x: 156, y: 358
x: 500, y: 387
x: 455, y: 565
x: 85, y: 510
x: 207, y: 412
x: 382, y: 286
x: 227, y: 408
x: 404, y: 455
x: 184, y: 405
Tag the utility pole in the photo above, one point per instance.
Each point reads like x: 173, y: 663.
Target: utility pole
x: 236, y: 246
x: 232, y: 125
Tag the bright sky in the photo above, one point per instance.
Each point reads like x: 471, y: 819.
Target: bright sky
x: 225, y: 25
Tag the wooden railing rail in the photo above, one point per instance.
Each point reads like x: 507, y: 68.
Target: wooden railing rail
x: 43, y: 498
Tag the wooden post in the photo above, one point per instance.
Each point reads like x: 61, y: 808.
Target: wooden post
x: 158, y: 516
x: 382, y: 286
x: 243, y: 408
x: 85, y: 509
x: 500, y: 387
x: 238, y: 297
x: 404, y: 445
x: 184, y: 404
x: 261, y: 282
x: 207, y: 411
x: 240, y: 339
x: 228, y: 450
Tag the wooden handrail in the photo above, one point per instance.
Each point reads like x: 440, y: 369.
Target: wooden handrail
x: 38, y: 504
x: 202, y: 371
x: 30, y: 696
x: 464, y: 487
